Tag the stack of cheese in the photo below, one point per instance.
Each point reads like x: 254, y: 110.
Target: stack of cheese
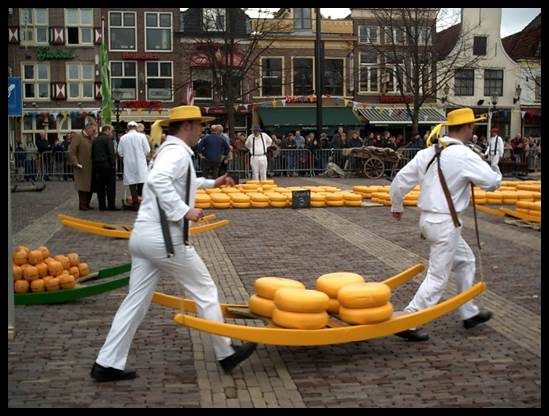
x: 297, y: 308
x: 220, y: 200
x: 365, y: 303
x: 240, y: 200
x: 331, y: 283
x: 530, y: 208
x: 261, y: 303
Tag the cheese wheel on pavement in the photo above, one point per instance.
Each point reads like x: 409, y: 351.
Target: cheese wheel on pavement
x: 335, y: 203
x: 257, y: 197
x: 266, y: 287
x: 333, y: 306
x: 256, y: 204
x: 276, y: 197
x: 318, y: 204
x: 301, y: 300
x: 261, y: 306
x: 366, y: 315
x: 239, y: 197
x: 349, y: 196
x: 296, y: 320
x: 334, y: 196
x: 220, y: 197
x: 241, y: 204
x: 221, y: 205
x: 364, y: 295
x: 348, y: 203
x: 318, y: 197
x: 202, y: 198
x: 331, y: 283
x: 276, y: 204
x: 204, y: 205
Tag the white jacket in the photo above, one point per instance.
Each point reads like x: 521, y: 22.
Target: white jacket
x: 134, y: 148
x: 260, y: 148
x: 460, y: 165
x: 167, y: 180
x: 495, y: 149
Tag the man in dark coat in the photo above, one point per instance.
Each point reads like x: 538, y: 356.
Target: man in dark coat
x: 104, y: 168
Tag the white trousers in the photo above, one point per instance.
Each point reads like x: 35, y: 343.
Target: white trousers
x: 449, y: 253
x: 494, y: 164
x: 259, y: 167
x: 148, y: 260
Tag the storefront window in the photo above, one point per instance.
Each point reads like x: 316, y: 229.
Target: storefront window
x: 202, y: 83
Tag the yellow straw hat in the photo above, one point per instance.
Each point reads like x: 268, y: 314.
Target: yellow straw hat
x: 455, y: 118
x: 184, y: 112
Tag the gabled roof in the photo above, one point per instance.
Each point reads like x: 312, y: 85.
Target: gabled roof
x: 524, y: 44
x: 445, y: 40
x: 536, y: 22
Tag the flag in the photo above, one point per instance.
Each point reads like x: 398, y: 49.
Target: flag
x: 190, y: 96
x: 106, y: 104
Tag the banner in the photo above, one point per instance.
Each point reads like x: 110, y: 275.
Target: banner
x: 106, y: 103
x: 15, y: 98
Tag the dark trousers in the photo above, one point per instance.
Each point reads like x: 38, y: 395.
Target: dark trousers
x: 210, y: 169
x: 136, y: 190
x: 84, y: 199
x: 105, y: 185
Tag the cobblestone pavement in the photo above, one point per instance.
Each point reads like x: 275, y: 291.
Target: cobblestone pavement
x: 495, y: 365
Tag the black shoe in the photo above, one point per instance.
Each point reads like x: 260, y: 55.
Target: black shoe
x: 102, y: 374
x: 479, y: 318
x: 115, y: 209
x: 240, y: 354
x: 413, y: 335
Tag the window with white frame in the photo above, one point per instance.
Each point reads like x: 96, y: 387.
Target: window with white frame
x: 158, y: 31
x: 271, y: 77
x: 80, y: 79
x: 214, y: 19
x: 393, y: 72
x: 394, y: 36
x: 368, y: 75
x: 124, y: 80
x: 122, y: 31
x: 333, y: 76
x: 159, y: 80
x: 368, y: 34
x: 493, y: 82
x: 464, y: 82
x: 34, y: 25
x: 202, y: 83
x: 425, y: 36
x: 79, y: 26
x: 36, y: 81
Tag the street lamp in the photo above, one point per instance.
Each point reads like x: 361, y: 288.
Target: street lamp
x: 491, y: 111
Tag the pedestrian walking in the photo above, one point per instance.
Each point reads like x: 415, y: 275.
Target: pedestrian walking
x: 159, y: 243
x: 214, y: 149
x: 495, y: 149
x: 134, y: 148
x: 445, y: 177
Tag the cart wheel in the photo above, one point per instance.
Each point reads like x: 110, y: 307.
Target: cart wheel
x: 373, y: 168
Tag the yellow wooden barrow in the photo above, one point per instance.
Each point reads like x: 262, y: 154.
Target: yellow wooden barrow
x: 124, y: 230
x: 337, y: 331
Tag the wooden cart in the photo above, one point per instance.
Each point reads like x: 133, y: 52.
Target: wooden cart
x: 373, y: 160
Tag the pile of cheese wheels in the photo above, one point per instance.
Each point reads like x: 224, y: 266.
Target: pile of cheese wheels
x: 290, y: 305
x: 266, y: 194
x: 509, y: 193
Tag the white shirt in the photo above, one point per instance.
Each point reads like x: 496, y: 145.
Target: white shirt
x: 167, y: 180
x: 134, y: 147
x: 260, y: 148
x: 494, y: 149
x: 460, y: 165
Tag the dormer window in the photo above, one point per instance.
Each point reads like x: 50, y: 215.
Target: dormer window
x: 302, y: 19
x: 214, y: 20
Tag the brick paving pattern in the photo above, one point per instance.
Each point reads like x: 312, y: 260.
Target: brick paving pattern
x: 489, y: 366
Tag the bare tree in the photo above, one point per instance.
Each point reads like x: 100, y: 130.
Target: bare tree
x: 233, y: 44
x: 411, y: 65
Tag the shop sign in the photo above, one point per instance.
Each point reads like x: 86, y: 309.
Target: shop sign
x: 391, y: 99
x: 44, y: 53
x: 140, y: 56
x: 142, y: 104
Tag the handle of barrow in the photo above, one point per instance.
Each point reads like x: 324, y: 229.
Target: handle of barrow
x: 477, y: 235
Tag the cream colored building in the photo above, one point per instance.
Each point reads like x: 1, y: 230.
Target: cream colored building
x: 490, y: 84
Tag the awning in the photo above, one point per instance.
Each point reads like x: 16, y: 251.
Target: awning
x: 138, y: 116
x: 399, y: 115
x: 305, y: 117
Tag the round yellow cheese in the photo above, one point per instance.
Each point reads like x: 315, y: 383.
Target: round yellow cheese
x: 257, y: 197
x: 339, y: 203
x: 202, y: 198
x: 276, y: 197
x: 266, y: 287
x: 333, y: 306
x: 221, y: 205
x: 364, y: 295
x: 349, y: 196
x: 334, y: 196
x: 330, y: 283
x: 240, y: 197
x: 296, y: 320
x: 318, y: 197
x: 261, y: 306
x: 278, y: 204
x: 241, y: 204
x: 318, y: 204
x: 352, y: 203
x: 203, y: 205
x: 366, y: 315
x: 301, y: 300
x: 220, y: 197
x: 230, y: 190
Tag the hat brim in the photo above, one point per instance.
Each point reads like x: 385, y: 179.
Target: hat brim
x: 166, y: 123
x: 481, y: 118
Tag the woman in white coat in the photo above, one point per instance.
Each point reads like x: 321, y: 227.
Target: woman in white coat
x: 134, y: 148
